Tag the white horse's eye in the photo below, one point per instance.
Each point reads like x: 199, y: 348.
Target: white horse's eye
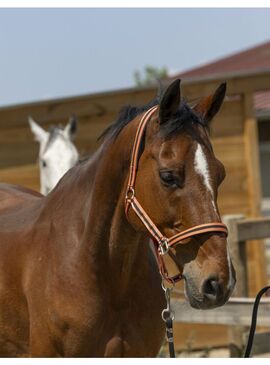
x: 44, y: 164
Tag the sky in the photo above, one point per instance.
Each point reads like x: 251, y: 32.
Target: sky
x: 52, y: 53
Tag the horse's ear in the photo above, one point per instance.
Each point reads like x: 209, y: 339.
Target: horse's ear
x: 209, y: 106
x: 39, y: 133
x: 170, y: 101
x: 71, y: 128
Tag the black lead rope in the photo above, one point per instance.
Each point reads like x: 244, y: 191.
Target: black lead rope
x: 254, y: 320
x: 169, y: 333
x: 168, y: 316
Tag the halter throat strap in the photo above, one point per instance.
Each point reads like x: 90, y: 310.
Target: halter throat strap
x: 162, y: 243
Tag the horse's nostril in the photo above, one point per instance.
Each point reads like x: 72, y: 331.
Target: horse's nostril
x: 212, y: 289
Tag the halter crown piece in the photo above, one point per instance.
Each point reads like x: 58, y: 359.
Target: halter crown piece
x: 162, y: 243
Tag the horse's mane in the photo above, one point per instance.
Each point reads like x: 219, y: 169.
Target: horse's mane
x: 185, y: 117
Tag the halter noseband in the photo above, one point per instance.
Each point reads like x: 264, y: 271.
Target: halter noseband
x: 162, y: 243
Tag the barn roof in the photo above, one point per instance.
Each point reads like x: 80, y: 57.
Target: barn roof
x: 255, y: 59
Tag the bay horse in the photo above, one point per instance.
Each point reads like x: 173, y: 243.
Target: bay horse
x: 57, y: 152
x: 78, y: 277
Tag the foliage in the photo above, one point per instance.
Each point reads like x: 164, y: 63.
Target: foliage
x: 150, y: 75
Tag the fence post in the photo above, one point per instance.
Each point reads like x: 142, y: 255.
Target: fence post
x: 238, y: 254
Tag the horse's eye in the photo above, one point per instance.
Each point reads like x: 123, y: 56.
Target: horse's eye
x: 168, y: 179
x: 44, y: 164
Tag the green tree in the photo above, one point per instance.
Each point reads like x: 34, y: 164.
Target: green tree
x: 149, y: 76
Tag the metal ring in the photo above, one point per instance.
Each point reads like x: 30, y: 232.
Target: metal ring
x: 165, y: 314
x: 130, y: 194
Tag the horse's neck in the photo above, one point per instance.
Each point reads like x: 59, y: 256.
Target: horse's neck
x: 113, y: 240
x: 93, y: 194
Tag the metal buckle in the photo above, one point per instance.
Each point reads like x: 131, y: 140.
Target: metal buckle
x: 163, y: 246
x: 130, y: 194
x: 167, y: 312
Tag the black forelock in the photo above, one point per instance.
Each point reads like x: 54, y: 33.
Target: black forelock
x: 184, y: 119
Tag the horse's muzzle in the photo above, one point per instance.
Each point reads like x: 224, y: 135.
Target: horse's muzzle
x: 213, y: 293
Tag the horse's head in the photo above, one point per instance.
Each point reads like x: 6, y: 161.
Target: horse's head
x: 177, y: 185
x: 57, y: 153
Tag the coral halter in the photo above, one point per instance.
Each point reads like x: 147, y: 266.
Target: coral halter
x: 162, y: 243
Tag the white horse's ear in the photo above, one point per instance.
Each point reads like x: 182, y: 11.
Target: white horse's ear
x: 71, y: 128
x: 39, y: 133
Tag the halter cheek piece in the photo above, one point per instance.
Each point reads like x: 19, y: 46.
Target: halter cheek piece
x: 162, y: 243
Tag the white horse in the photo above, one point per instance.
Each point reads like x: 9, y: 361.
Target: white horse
x: 57, y: 153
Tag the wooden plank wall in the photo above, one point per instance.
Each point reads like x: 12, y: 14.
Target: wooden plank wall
x: 25, y: 175
x: 227, y: 134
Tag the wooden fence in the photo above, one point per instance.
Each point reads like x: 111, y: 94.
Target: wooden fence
x: 237, y: 312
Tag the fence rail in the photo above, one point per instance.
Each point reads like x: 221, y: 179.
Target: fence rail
x: 234, y: 313
x: 253, y: 229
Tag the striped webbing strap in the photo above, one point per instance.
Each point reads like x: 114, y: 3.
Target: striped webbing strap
x: 162, y: 243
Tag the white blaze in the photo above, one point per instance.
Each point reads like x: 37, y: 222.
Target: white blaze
x: 201, y: 167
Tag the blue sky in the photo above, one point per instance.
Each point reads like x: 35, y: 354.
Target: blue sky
x: 47, y: 53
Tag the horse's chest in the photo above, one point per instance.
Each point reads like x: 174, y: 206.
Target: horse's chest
x: 103, y: 329
x: 118, y: 333
x: 137, y: 333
